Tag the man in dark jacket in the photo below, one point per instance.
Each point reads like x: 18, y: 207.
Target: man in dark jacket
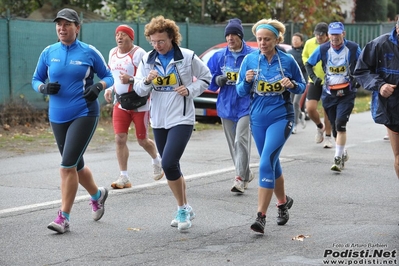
x: 377, y: 70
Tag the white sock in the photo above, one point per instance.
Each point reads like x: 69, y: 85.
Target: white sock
x: 124, y: 173
x: 339, y: 150
x: 157, y: 160
x: 180, y: 208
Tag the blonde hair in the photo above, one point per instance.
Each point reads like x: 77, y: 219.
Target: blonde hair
x: 160, y: 24
x: 272, y: 22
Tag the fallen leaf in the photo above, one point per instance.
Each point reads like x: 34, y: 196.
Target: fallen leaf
x: 300, y: 237
x: 134, y: 229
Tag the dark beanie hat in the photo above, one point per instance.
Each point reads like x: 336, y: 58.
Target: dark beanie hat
x: 234, y: 27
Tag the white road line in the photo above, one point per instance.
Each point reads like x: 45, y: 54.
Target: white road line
x: 115, y: 191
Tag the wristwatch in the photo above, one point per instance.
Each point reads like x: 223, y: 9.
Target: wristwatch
x: 131, y: 80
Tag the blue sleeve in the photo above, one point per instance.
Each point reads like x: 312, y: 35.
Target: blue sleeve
x: 40, y: 74
x: 242, y: 86
x: 298, y: 77
x: 366, y: 73
x: 101, y: 68
x: 214, y: 67
x: 315, y: 57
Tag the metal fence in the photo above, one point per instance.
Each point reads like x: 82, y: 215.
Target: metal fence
x: 22, y: 41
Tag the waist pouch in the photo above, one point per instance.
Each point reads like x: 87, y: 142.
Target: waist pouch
x: 339, y: 90
x: 131, y: 100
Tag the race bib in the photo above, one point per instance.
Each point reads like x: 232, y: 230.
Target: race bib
x: 168, y: 80
x: 266, y: 87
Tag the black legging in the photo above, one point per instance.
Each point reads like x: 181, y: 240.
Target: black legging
x: 73, y: 138
x: 171, y: 144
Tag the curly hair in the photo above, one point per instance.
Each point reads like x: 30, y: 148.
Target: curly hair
x: 280, y: 27
x: 160, y: 24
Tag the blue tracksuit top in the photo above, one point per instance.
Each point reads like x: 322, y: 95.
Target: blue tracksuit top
x: 264, y: 107
x: 229, y: 105
x: 73, y: 67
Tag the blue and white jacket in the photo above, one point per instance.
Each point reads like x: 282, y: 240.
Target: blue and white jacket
x: 168, y: 108
x: 73, y: 67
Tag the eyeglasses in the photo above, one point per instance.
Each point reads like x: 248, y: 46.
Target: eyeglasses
x: 153, y: 43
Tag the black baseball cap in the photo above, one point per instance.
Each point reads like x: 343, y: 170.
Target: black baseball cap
x: 68, y: 14
x: 321, y: 28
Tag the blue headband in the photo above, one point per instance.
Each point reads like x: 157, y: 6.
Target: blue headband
x: 268, y: 27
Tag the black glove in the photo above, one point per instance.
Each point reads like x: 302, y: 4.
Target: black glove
x: 317, y: 82
x: 221, y: 80
x: 91, y: 92
x: 50, y: 88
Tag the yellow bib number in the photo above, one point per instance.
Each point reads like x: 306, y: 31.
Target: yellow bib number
x: 232, y: 76
x: 169, y: 80
x: 337, y: 70
x: 269, y: 87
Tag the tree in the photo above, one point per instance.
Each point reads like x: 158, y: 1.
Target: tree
x: 23, y: 8
x: 121, y: 10
x: 370, y: 10
x: 306, y: 12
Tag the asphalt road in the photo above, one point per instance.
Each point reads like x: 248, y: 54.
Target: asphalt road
x: 349, y: 218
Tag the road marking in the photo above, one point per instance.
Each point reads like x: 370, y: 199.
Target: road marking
x: 117, y: 191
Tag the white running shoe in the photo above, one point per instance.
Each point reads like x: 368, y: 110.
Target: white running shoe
x: 238, y: 185
x: 320, y: 134
x: 303, y: 121
x: 122, y: 182
x: 294, y: 130
x: 328, y: 144
x: 158, y: 171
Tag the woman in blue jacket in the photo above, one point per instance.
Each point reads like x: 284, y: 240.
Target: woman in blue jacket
x: 68, y: 67
x: 269, y: 75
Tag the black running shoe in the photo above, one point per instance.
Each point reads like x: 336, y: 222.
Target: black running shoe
x: 283, y: 215
x: 259, y: 224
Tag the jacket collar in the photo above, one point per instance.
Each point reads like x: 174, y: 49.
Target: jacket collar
x: 393, y: 37
x: 178, y: 55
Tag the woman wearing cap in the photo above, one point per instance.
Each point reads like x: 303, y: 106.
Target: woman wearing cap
x: 338, y: 58
x: 168, y: 72
x: 65, y: 72
x: 123, y: 61
x: 269, y: 75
